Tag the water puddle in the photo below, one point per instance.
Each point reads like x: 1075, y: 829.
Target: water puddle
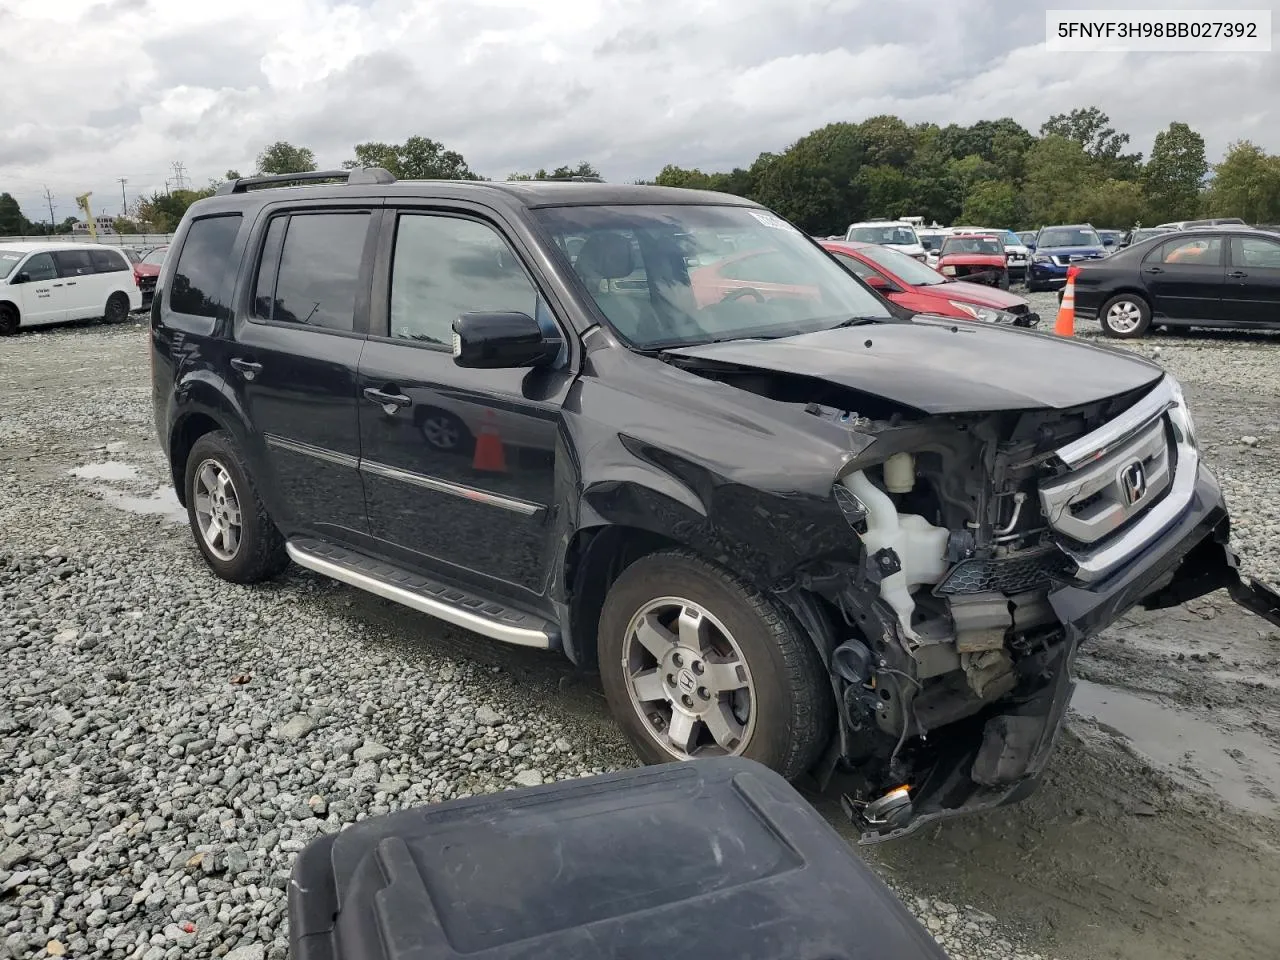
x: 109, y: 470
x: 1238, y: 765
x: 162, y: 502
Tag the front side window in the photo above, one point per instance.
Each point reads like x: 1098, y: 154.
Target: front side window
x: 659, y: 276
x: 317, y: 277
x: 859, y: 268
x: 446, y: 266
x: 1255, y: 252
x: 908, y: 269
x: 40, y: 268
x: 202, y: 266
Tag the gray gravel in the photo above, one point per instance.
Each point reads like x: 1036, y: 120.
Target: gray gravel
x: 169, y: 741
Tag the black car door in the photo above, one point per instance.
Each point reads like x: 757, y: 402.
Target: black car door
x: 1185, y: 277
x: 458, y: 464
x: 1252, y: 292
x: 294, y: 360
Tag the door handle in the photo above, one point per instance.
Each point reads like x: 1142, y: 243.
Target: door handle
x: 1237, y: 274
x: 55, y: 284
x: 71, y: 283
x: 389, y: 401
x: 248, y: 368
x: 1154, y: 270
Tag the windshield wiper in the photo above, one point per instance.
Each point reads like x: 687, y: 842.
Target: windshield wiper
x: 858, y: 321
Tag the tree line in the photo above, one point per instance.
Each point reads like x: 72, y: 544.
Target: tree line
x: 1077, y: 168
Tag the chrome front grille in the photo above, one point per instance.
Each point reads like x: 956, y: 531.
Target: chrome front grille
x: 1099, y: 498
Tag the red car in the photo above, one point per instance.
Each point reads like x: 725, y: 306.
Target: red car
x: 147, y: 270
x: 921, y: 289
x: 977, y: 257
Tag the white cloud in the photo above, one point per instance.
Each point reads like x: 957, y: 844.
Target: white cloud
x: 98, y: 90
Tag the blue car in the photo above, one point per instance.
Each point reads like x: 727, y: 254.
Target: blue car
x: 1056, y: 248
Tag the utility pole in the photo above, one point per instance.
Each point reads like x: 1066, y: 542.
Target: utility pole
x: 48, y: 196
x: 124, y: 200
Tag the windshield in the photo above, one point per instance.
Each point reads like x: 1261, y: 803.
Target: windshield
x: 1069, y: 237
x: 907, y: 269
x: 1011, y: 239
x: 904, y: 236
x: 660, y: 276
x: 8, y: 260
x: 156, y: 256
x: 983, y: 245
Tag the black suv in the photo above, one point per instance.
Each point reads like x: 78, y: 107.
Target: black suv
x: 664, y: 432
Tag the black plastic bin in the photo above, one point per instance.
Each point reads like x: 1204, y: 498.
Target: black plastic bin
x: 686, y: 861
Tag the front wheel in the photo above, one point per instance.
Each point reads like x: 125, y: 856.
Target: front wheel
x: 696, y: 663
x: 1004, y: 280
x: 1125, y: 316
x: 229, y: 522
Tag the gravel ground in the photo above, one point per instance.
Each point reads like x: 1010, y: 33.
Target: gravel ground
x: 168, y: 741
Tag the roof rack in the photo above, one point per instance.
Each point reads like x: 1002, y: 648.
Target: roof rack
x: 362, y: 176
x: 575, y: 179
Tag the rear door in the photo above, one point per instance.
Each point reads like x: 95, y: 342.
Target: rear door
x: 1185, y: 277
x: 294, y: 360
x: 459, y: 464
x: 39, y: 291
x: 1252, y: 292
x: 75, y: 269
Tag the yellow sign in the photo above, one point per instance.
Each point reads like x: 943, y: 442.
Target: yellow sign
x: 83, y: 201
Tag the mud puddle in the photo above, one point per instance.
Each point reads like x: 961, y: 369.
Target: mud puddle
x: 1238, y: 765
x: 110, y: 470
x: 162, y: 502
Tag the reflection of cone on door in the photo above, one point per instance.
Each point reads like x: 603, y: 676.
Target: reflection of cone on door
x: 1065, y: 326
x: 489, y: 454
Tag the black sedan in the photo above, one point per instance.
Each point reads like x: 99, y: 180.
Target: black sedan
x: 1212, y: 277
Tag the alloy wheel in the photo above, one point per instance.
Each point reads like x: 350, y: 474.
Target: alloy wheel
x: 217, y: 508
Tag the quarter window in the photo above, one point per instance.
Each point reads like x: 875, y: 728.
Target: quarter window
x: 202, y: 266
x: 107, y: 261
x: 318, y: 276
x: 447, y: 266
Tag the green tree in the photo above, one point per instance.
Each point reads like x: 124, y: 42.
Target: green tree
x: 583, y: 169
x: 1058, y: 174
x: 1113, y: 204
x: 418, y: 158
x: 1174, y: 175
x: 231, y: 175
x: 164, y: 211
x: 887, y: 192
x: 991, y: 203
x: 12, y: 221
x: 1246, y: 184
x: 284, y: 157
x: 124, y: 225
x: 1091, y: 128
x: 886, y: 141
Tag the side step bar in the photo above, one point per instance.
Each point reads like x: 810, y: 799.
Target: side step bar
x: 443, y: 602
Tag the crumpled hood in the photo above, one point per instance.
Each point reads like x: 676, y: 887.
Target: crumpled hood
x: 945, y: 366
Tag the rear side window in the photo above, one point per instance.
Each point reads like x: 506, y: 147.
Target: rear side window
x: 107, y: 261
x: 1204, y: 251
x: 73, y: 263
x: 310, y: 270
x: 197, y: 287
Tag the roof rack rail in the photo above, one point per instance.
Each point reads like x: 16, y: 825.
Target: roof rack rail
x: 575, y: 179
x: 362, y: 176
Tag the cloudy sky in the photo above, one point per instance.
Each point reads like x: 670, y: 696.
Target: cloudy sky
x: 93, y: 90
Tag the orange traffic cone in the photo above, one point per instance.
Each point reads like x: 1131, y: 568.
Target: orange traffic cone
x: 489, y: 454
x: 1065, y: 325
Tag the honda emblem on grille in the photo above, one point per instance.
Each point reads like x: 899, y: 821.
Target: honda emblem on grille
x: 1134, y: 481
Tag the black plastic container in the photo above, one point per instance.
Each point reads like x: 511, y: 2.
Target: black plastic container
x: 687, y: 861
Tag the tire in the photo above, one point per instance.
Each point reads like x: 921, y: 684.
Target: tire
x: 1125, y: 316
x: 1004, y: 280
x: 9, y: 320
x: 117, y: 309
x: 258, y: 552
x: 788, y: 703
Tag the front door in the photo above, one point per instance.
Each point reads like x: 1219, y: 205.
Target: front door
x: 294, y: 360
x: 41, y: 295
x: 1252, y: 292
x: 1185, y: 277
x: 458, y: 464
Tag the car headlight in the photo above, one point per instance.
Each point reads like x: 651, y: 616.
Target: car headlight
x: 1041, y: 259
x: 1180, y: 414
x: 984, y: 314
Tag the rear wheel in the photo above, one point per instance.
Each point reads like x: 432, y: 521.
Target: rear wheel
x: 696, y: 663
x: 8, y: 320
x: 117, y: 309
x: 1125, y: 316
x: 228, y: 519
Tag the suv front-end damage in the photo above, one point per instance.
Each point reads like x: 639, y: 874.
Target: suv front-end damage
x: 992, y: 546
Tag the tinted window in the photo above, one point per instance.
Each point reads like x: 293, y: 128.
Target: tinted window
x: 73, y: 263
x: 1255, y: 252
x: 319, y: 270
x: 107, y: 261
x: 40, y: 268
x: 202, y: 266
x: 264, y: 294
x: 447, y: 266
x: 1202, y: 250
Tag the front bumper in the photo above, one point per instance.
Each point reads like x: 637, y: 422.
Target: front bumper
x: 1005, y: 760
x: 1048, y: 273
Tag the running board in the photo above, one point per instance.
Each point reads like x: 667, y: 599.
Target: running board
x: 458, y: 607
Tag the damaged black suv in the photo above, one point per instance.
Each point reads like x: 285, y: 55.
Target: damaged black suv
x: 666, y: 433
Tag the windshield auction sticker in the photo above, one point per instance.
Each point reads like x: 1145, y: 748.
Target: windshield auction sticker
x: 1168, y: 31
x: 769, y: 220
